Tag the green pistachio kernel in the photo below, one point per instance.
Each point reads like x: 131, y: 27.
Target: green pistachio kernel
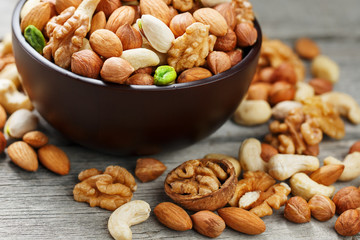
x: 35, y: 38
x: 165, y: 75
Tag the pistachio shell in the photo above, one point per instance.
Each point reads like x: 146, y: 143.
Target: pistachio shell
x: 157, y: 33
x: 140, y: 58
x: 19, y: 123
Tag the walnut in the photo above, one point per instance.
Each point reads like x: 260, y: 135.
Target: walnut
x: 108, y: 190
x: 183, y: 5
x: 201, y: 184
x: 67, y: 31
x: 243, y: 11
x: 252, y: 181
x: 300, y: 133
x: 191, y: 49
x: 5, y: 60
x: 326, y: 117
x: 275, y: 52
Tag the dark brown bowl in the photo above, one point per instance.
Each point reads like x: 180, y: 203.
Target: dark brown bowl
x: 131, y: 119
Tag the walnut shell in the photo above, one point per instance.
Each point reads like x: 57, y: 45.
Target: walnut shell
x: 210, y: 201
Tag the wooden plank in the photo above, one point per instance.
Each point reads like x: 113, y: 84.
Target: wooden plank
x: 40, y: 205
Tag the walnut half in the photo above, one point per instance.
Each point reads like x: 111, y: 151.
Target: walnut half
x: 202, y: 184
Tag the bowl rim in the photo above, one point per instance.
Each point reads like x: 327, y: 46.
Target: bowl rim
x: 16, y: 31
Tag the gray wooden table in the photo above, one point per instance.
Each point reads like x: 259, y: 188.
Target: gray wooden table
x: 40, y: 205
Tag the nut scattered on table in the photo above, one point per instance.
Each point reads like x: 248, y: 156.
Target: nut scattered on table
x: 148, y: 169
x: 173, y: 216
x: 347, y: 198
x: 322, y: 208
x: 297, y: 210
x: 208, y: 223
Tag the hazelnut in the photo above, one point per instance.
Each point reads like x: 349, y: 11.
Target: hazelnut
x: 246, y: 34
x: 86, y: 63
x: 193, y: 74
x: 297, y: 210
x: 265, y: 74
x: 284, y: 72
x: 148, y: 169
x: 116, y: 70
x: 147, y: 70
x: 259, y: 91
x: 140, y: 79
x: 208, y: 223
x: 180, y: 22
x: 218, y: 62
x: 129, y: 36
x: 235, y: 56
x: 347, y: 198
x: 321, y: 207
x: 281, y: 91
x: 348, y: 223
x: 226, y: 43
x: 321, y: 85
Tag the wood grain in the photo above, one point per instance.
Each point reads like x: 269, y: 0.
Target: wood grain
x: 40, y: 205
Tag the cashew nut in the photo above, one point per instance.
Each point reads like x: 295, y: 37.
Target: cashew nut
x: 323, y: 67
x: 127, y: 215
x: 282, y: 109
x: 213, y: 3
x: 10, y: 72
x: 283, y: 166
x: 345, y: 104
x: 11, y: 99
x: 303, y: 91
x: 252, y: 112
x: 19, y: 123
x: 351, y: 163
x: 302, y: 185
x: 250, y: 156
x: 140, y: 57
x: 235, y: 162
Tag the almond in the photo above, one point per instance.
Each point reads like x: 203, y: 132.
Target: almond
x: 246, y: 34
x: 23, y: 155
x: 38, y: 16
x: 35, y: 139
x: 61, y: 5
x: 227, y: 42
x: 209, y: 16
x: 156, y: 8
x: 267, y: 151
x: 97, y: 22
x: 105, y: 43
x: 122, y: 15
x: 321, y: 85
x: 116, y: 70
x: 228, y: 12
x: 306, y: 48
x: 173, y: 216
x: 328, y: 174
x: 129, y: 36
x: 193, y: 74
x: 54, y: 159
x: 140, y: 79
x: 180, y: 22
x: 108, y: 6
x: 355, y: 147
x: 218, y: 62
x: 148, y: 169
x: 208, y: 223
x: 242, y: 221
x: 3, y: 117
x: 86, y: 63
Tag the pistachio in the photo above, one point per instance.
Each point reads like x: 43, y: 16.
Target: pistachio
x: 164, y: 75
x: 19, y: 123
x: 35, y: 38
x: 157, y: 33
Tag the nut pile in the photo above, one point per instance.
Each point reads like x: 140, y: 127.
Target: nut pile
x: 141, y: 42
x: 25, y: 146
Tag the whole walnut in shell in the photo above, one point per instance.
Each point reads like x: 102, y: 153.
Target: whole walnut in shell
x: 201, y: 184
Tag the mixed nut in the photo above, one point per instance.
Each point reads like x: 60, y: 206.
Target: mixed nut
x: 142, y: 42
